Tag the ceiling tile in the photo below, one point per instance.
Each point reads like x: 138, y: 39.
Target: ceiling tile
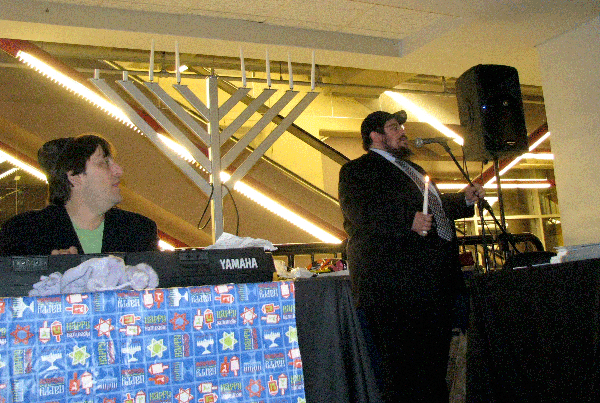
x: 290, y: 22
x: 226, y: 14
x: 399, y: 21
x: 243, y: 7
x: 331, y: 12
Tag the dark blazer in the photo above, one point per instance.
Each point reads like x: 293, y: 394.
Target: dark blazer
x: 41, y: 231
x: 391, y: 265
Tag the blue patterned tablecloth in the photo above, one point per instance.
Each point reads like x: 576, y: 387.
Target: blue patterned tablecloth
x: 225, y: 343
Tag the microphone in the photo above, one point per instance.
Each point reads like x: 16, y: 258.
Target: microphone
x: 438, y: 140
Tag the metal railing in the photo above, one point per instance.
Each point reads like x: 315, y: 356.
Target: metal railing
x: 476, y: 245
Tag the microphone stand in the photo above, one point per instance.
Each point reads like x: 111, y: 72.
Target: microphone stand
x: 482, y: 204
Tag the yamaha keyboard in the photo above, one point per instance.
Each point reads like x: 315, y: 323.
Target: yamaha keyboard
x: 179, y: 268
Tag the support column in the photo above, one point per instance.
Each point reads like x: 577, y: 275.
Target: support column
x: 216, y: 204
x: 571, y: 82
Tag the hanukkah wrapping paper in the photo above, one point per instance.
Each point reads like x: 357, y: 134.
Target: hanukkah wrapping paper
x: 223, y: 343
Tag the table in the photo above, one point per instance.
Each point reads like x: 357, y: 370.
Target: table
x: 187, y: 344
x: 231, y: 342
x: 534, y: 335
x: 334, y: 356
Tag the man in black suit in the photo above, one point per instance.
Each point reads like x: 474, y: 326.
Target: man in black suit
x: 83, y: 184
x: 403, y: 264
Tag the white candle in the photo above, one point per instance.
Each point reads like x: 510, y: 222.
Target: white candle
x: 268, y: 70
x: 243, y: 68
x: 290, y: 72
x: 426, y: 195
x: 177, y: 72
x: 312, y: 72
x: 151, y: 67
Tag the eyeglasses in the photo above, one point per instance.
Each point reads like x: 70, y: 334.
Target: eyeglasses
x: 394, y: 127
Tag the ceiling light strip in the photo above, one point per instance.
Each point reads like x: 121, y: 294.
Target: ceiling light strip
x: 423, y: 116
x: 8, y: 173
x: 539, y: 156
x: 537, y: 137
x: 505, y: 185
x: 260, y: 198
x: 74, y: 86
x: 25, y: 167
x: 281, y: 211
x: 163, y: 245
x: 539, y: 141
x: 521, y: 186
x: 517, y: 159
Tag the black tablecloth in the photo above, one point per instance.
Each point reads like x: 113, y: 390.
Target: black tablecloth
x: 334, y: 357
x: 535, y: 334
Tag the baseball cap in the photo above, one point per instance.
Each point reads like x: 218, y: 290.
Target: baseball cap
x: 376, y: 120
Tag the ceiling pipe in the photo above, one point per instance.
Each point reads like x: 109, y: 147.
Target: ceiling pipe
x: 233, y: 63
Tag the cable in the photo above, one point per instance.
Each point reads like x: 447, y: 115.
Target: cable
x: 212, y: 190
x: 237, y: 213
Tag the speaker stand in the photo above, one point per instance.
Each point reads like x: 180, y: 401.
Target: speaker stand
x: 483, y: 204
x: 504, y: 238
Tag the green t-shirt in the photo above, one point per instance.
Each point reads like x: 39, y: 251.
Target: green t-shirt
x: 91, y: 240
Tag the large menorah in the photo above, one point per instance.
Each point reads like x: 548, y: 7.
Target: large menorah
x: 214, y: 137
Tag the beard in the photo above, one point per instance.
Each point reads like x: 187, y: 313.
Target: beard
x: 400, y: 152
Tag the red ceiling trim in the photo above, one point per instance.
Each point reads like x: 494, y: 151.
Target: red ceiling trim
x: 489, y: 173
x: 19, y: 155
x: 173, y: 241
x: 13, y: 46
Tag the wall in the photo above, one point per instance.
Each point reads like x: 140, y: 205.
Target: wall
x: 571, y: 83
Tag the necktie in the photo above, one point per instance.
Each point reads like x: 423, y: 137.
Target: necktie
x: 443, y: 226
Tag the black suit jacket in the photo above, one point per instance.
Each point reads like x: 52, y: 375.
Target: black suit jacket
x: 41, y: 231
x: 391, y: 265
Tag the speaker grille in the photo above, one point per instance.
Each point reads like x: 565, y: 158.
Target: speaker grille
x: 490, y: 109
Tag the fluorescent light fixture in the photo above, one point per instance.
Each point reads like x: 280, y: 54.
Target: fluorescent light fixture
x: 165, y: 245
x: 25, y: 167
x: 508, y: 167
x: 491, y: 200
x: 183, y: 68
x: 539, y: 156
x: 259, y: 198
x: 424, y: 116
x: 520, y: 185
x: 451, y: 186
x: 525, y: 180
x: 8, y: 173
x: 178, y: 148
x: 74, y: 86
x: 281, y: 211
x: 539, y: 141
x: 506, y: 184
x: 520, y: 157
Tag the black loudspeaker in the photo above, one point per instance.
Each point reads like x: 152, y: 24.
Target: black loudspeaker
x: 490, y: 108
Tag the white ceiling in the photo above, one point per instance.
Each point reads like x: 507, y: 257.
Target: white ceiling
x: 438, y: 37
